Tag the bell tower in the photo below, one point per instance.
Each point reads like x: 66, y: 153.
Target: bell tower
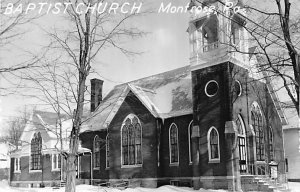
x: 217, y: 42
x: 216, y: 33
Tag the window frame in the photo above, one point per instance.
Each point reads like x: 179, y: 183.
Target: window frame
x: 170, y: 146
x: 38, y: 143
x: 240, y: 87
x: 57, y: 162
x: 95, y: 165
x: 206, y: 85
x: 17, y: 165
x: 130, y: 118
x: 258, y: 126
x: 210, y: 159
x: 242, y: 136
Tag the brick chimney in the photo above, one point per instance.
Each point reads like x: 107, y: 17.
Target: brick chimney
x: 96, y: 93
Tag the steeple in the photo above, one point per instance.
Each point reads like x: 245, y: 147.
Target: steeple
x: 217, y: 34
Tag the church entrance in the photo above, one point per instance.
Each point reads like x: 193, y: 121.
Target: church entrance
x: 242, y: 154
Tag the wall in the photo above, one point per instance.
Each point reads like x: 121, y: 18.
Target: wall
x: 87, y: 140
x: 132, y: 105
x: 211, y: 111
x: 292, y: 153
x: 46, y: 175
x: 184, y: 168
x: 148, y: 170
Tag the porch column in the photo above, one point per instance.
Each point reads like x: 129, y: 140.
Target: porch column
x: 195, y: 156
x: 232, y: 151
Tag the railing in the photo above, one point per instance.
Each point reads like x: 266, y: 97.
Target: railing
x: 210, y: 46
x: 272, y: 177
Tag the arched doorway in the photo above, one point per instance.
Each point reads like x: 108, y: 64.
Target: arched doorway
x: 242, y: 144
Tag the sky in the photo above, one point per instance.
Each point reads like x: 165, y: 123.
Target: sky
x: 165, y: 47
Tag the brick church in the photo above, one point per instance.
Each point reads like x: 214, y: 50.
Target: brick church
x: 211, y: 124
x: 214, y: 123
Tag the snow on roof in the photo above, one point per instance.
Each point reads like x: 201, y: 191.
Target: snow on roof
x: 292, y: 118
x: 47, y: 124
x: 165, y: 95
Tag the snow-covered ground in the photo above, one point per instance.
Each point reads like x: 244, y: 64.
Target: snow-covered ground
x: 294, y: 186
x: 89, y: 188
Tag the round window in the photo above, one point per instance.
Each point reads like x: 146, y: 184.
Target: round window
x: 238, y: 88
x: 211, y: 88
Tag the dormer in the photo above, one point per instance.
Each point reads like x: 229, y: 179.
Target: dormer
x: 217, y: 33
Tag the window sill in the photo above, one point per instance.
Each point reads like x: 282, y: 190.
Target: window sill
x: 174, y: 164
x: 214, y: 161
x: 56, y: 169
x: 107, y: 168
x: 17, y: 171
x: 35, y: 171
x: 131, y: 166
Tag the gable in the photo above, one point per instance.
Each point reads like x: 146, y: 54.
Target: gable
x: 46, y: 124
x: 165, y: 95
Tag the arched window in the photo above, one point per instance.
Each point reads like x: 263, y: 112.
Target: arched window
x: 242, y: 144
x: 240, y: 126
x: 190, y: 141
x: 257, y: 123
x: 173, y: 144
x: 36, y: 151
x: 271, y: 143
x: 213, y: 144
x: 107, y: 151
x: 131, y: 141
x: 96, y: 151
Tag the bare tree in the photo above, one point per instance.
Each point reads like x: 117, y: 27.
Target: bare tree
x: 89, y: 33
x: 274, y: 33
x: 15, y: 127
x: 13, y: 26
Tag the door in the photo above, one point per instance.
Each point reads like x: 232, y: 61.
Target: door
x: 242, y: 154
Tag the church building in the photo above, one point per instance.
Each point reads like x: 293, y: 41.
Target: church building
x: 214, y: 123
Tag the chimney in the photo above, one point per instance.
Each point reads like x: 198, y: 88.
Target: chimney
x: 96, y: 93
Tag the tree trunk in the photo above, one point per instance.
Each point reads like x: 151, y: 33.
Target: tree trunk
x: 71, y: 159
x: 71, y: 173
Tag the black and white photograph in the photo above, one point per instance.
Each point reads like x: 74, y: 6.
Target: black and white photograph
x: 149, y: 95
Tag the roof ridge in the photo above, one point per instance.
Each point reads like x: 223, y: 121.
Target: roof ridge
x: 166, y: 72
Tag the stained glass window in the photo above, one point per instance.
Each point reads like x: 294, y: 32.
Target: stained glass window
x: 36, y: 151
x: 173, y: 144
x: 96, y: 151
x: 214, y: 144
x: 257, y: 124
x: 131, y: 141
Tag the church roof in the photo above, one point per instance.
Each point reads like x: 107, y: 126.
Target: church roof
x: 165, y: 95
x: 45, y: 123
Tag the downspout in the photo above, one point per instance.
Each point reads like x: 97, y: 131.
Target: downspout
x: 91, y: 168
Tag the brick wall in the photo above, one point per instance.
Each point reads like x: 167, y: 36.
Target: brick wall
x: 185, y: 168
